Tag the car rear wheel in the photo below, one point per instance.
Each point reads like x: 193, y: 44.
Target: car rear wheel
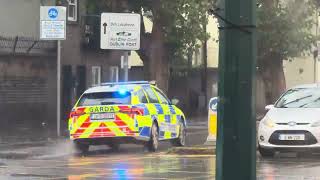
x: 181, y: 140
x: 153, y: 143
x: 114, y: 146
x: 81, y: 148
x: 266, y: 152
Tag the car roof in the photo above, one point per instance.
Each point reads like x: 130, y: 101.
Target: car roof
x: 314, y: 85
x: 111, y: 88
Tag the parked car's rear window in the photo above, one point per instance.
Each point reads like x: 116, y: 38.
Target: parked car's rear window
x: 105, y: 98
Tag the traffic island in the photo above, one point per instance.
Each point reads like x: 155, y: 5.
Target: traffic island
x: 193, y: 150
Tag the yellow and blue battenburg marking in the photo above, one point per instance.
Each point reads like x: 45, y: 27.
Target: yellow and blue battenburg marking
x: 133, y: 120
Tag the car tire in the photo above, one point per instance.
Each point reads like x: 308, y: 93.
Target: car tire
x: 266, y: 152
x: 81, y: 148
x: 153, y: 143
x: 114, y: 146
x: 181, y: 140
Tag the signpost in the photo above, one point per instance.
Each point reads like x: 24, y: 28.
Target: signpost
x: 121, y: 31
x: 53, y: 27
x: 52, y: 23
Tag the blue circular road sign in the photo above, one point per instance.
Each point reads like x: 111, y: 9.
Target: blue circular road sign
x: 53, y: 13
x: 213, y: 103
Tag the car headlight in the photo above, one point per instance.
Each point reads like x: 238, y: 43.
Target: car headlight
x: 316, y: 124
x: 268, y: 122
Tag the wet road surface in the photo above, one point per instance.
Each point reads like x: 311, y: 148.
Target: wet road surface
x: 289, y: 166
x: 131, y: 162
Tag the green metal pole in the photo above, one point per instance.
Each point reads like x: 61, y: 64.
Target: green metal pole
x: 236, y: 138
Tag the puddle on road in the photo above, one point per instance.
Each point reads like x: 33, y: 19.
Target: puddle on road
x: 160, y: 167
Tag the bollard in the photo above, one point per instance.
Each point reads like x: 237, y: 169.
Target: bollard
x: 212, y: 121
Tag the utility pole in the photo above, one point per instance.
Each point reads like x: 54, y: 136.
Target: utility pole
x: 58, y: 87
x: 205, y: 66
x: 236, y: 138
x: 315, y: 53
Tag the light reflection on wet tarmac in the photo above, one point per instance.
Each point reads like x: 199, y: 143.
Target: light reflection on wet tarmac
x: 151, y: 166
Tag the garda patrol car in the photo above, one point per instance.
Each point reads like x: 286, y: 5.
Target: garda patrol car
x: 131, y: 112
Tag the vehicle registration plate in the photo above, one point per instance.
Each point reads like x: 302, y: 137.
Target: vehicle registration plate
x: 102, y: 116
x: 292, y: 137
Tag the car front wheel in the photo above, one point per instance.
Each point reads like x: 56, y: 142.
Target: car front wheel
x: 266, y: 152
x: 181, y: 140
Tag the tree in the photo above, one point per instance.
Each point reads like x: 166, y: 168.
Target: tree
x: 284, y: 32
x: 177, y: 29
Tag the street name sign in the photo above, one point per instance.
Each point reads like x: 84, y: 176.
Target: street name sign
x: 53, y: 22
x: 120, y: 31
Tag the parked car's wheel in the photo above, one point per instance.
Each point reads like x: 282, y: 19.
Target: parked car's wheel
x: 81, y: 148
x: 181, y: 140
x: 153, y: 143
x: 266, y: 152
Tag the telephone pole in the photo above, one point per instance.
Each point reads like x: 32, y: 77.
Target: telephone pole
x: 236, y: 138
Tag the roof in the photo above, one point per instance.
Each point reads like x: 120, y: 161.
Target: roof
x: 116, y: 86
x: 109, y: 88
x: 315, y: 85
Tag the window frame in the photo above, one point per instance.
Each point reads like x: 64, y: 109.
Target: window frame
x: 145, y: 94
x: 150, y: 101
x: 93, y: 71
x: 160, y: 93
x: 75, y: 5
x: 114, y: 70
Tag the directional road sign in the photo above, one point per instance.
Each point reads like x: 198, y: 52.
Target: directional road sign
x: 120, y: 31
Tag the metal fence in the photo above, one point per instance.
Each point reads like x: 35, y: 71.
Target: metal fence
x: 26, y: 45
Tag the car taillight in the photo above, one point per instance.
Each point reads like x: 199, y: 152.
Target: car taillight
x: 134, y: 111
x: 77, y: 112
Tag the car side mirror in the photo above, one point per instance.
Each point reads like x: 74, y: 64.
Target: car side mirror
x: 175, y: 101
x: 268, y: 107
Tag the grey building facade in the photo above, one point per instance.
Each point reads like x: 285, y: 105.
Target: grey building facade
x: 28, y: 66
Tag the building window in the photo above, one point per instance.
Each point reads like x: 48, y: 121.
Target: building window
x: 96, y: 75
x: 72, y: 10
x: 114, y: 73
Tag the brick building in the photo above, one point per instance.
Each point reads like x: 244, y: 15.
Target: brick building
x: 28, y: 66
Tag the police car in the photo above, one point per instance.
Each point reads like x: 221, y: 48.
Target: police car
x: 127, y: 112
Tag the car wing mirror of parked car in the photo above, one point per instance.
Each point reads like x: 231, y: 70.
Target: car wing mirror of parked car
x: 175, y: 101
x: 268, y: 107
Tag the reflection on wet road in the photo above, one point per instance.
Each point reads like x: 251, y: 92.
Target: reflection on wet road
x: 113, y: 166
x: 289, y: 167
x: 147, y: 167
x: 131, y: 162
x: 108, y: 165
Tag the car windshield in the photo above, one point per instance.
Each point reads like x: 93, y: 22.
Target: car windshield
x: 300, y: 98
x: 105, y: 98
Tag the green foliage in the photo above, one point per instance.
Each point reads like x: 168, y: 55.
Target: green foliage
x: 187, y: 31
x: 183, y: 22
x: 286, y: 28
